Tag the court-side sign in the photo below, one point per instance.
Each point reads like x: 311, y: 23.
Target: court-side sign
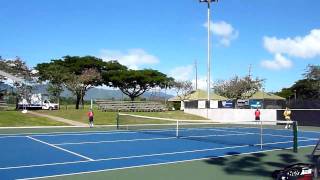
x: 201, y: 104
x: 214, y: 104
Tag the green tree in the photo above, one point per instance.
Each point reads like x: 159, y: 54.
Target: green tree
x: 80, y: 84
x: 306, y: 88
x: 238, y: 87
x: 78, y: 74
x: 134, y: 83
x: 285, y: 93
x: 312, y: 72
x: 55, y: 90
x: 183, y: 89
x: 56, y: 75
x: 23, y: 77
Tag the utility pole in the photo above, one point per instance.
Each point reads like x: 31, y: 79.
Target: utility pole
x: 250, y: 66
x: 196, y: 68
x: 209, y: 58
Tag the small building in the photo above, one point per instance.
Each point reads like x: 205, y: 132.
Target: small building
x: 266, y: 101
x: 198, y: 99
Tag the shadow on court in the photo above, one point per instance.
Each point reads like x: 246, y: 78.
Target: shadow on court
x: 258, y: 164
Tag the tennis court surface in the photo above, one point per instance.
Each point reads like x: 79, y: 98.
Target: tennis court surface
x: 50, y: 152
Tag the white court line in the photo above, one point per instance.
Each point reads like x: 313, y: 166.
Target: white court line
x: 156, y: 130
x: 286, y: 129
x: 177, y: 152
x: 154, y: 164
x: 108, y: 131
x: 4, y: 137
x: 66, y: 133
x: 139, y: 156
x: 279, y: 135
x: 148, y: 139
x: 84, y: 133
x: 285, y: 136
x: 48, y: 164
x: 129, y: 132
x: 61, y: 133
x: 79, y: 155
x: 166, y: 138
x: 126, y: 157
x: 114, y: 141
x: 126, y: 132
x: 223, y: 129
x: 121, y: 132
x: 283, y: 142
x: 308, y: 131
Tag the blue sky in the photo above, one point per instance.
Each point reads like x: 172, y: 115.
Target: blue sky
x: 277, y: 38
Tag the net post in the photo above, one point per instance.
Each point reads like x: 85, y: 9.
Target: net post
x: 177, y: 129
x: 295, y: 136
x: 261, y: 132
x: 117, y: 119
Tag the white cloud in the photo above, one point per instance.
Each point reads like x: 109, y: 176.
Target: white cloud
x: 301, y: 47
x: 34, y: 71
x: 279, y: 62
x: 133, y: 58
x: 182, y: 72
x: 201, y: 83
x: 225, y: 32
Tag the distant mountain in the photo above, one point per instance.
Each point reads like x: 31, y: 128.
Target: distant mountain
x: 100, y: 93
x: 96, y: 93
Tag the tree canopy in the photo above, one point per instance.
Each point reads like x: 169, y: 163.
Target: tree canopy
x: 78, y: 74
x: 238, y: 87
x: 306, y: 88
x: 312, y: 72
x: 18, y: 68
x: 134, y: 83
x: 182, y: 88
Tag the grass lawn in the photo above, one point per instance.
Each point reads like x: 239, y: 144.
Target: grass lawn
x: 16, y: 118
x: 109, y: 118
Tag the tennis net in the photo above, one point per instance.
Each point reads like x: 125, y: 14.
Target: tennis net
x: 254, y: 133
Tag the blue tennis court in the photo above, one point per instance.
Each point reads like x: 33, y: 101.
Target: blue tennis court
x: 26, y: 155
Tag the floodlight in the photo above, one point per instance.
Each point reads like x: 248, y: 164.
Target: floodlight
x: 208, y: 1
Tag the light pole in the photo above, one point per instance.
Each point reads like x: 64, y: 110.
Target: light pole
x: 262, y: 105
x: 208, y: 73
x: 196, y: 68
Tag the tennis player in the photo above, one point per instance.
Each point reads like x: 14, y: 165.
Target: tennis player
x: 90, y: 115
x: 257, y: 114
x: 287, y: 117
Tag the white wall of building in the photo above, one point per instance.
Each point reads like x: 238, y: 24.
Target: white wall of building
x: 227, y: 115
x: 182, y: 105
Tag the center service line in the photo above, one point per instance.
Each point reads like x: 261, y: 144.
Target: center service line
x: 57, y: 147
